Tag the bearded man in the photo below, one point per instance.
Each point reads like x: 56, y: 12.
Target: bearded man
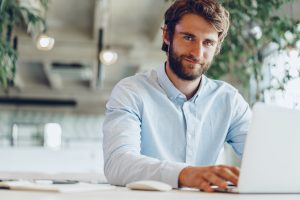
x: 170, y: 123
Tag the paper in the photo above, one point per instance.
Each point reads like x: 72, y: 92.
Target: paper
x: 77, y: 187
x: 84, y: 177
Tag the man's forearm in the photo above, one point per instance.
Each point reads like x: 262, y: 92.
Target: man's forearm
x: 122, y: 168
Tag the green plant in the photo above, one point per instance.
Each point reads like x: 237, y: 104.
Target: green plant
x: 22, y: 13
x: 253, y: 27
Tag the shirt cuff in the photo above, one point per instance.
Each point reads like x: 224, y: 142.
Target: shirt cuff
x: 170, y: 173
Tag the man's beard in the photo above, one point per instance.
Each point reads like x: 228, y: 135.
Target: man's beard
x: 181, y: 70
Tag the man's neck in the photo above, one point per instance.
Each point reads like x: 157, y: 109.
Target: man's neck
x: 187, y: 87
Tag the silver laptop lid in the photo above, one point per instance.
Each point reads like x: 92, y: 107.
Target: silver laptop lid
x: 271, y: 160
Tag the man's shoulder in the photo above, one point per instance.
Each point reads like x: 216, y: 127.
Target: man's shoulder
x: 139, y: 76
x: 220, y: 85
x: 138, y: 81
x: 226, y: 93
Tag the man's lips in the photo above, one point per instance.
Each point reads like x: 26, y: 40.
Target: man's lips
x: 192, y: 61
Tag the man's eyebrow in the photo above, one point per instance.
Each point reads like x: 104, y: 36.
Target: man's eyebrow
x: 212, y: 40
x: 188, y: 34
x: 194, y: 36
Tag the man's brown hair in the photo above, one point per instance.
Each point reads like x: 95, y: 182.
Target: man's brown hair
x: 210, y: 10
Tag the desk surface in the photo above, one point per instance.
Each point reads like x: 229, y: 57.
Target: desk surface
x: 126, y: 194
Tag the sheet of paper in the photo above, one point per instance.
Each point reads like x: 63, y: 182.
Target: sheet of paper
x: 84, y: 177
x: 77, y: 187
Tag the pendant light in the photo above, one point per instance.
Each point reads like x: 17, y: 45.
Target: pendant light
x: 107, y: 56
x: 44, y: 41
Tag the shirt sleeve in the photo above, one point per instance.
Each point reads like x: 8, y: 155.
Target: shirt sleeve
x: 239, y: 127
x: 123, y: 162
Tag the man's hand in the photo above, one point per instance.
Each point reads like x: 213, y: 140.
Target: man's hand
x: 204, y: 177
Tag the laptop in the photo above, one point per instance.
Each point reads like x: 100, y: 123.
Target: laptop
x: 271, y: 160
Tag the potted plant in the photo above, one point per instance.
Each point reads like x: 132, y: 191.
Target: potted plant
x: 254, y: 26
x: 26, y: 13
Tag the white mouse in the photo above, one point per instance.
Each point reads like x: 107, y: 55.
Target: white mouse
x: 149, y: 185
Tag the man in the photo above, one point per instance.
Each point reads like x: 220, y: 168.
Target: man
x: 169, y: 124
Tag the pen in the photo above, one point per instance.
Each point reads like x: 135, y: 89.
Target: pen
x: 55, y: 181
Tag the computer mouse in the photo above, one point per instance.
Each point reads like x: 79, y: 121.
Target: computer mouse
x: 149, y: 185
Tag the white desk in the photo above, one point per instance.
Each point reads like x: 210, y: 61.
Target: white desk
x: 125, y: 194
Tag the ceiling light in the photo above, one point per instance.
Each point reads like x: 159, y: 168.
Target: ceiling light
x: 45, y: 42
x: 108, y: 57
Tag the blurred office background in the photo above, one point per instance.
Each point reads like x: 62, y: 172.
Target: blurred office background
x: 52, y: 111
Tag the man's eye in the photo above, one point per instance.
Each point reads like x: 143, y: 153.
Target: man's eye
x: 189, y: 38
x: 209, y: 43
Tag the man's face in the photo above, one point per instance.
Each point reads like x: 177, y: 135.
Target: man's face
x: 192, y: 48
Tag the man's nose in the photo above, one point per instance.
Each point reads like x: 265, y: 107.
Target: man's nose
x: 198, y: 51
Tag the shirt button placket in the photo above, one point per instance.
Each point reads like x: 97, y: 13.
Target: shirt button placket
x: 189, y: 129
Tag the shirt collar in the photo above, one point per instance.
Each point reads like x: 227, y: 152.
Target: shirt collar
x: 171, y: 91
x: 164, y: 81
x: 200, y: 89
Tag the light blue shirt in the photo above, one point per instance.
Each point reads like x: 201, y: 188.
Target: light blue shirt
x: 151, y: 131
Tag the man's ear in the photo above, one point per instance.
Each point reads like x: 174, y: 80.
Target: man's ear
x: 165, y: 35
